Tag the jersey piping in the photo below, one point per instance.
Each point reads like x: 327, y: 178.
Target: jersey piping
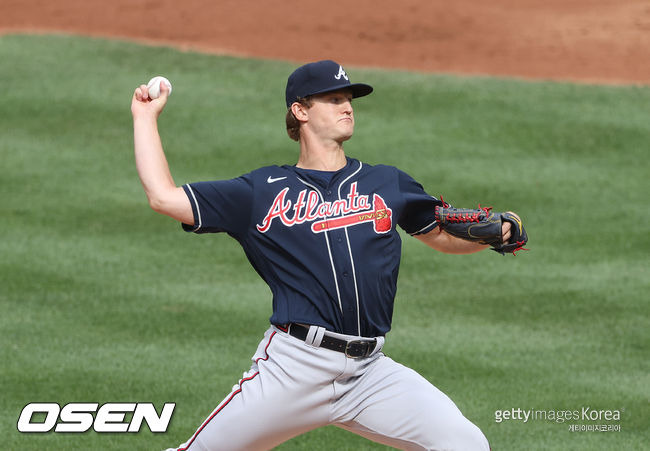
x: 329, y: 249
x: 347, y: 238
x: 198, y: 210
x: 425, y: 228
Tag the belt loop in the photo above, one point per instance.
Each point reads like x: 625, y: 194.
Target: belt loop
x: 318, y: 338
x: 378, y: 346
x: 315, y: 336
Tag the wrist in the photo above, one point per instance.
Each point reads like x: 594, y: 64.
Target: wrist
x: 145, y: 118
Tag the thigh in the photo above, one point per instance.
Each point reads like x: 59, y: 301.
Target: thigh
x: 398, y: 407
x: 268, y: 406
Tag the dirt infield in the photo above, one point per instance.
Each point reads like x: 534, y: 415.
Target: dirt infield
x: 603, y: 41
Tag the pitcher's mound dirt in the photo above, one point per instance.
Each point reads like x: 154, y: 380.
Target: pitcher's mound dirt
x: 604, y: 41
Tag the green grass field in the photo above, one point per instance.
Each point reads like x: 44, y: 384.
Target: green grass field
x: 102, y: 300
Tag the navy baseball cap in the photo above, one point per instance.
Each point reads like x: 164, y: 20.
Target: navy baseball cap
x: 321, y: 77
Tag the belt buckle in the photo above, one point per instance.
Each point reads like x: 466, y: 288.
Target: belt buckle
x: 356, y: 349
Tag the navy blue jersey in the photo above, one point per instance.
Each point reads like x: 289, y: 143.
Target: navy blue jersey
x: 327, y: 246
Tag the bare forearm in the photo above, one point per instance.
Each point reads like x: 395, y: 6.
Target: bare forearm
x: 454, y: 245
x: 444, y: 242
x: 163, y: 194
x: 150, y: 160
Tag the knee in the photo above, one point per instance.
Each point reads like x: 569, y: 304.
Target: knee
x: 458, y: 435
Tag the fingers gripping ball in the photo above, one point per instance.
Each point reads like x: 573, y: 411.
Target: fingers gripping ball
x: 482, y: 226
x: 154, y: 86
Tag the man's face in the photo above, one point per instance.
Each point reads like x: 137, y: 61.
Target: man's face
x: 331, y: 115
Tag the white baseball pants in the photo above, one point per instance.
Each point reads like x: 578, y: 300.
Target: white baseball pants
x: 293, y: 387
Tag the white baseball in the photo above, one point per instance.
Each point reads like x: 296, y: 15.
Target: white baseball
x: 154, y: 86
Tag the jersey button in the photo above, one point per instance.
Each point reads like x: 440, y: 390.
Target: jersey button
x: 345, y: 274
x: 339, y: 239
x: 329, y: 192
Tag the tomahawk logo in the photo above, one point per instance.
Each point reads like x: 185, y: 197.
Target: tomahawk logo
x: 78, y: 417
x: 380, y: 216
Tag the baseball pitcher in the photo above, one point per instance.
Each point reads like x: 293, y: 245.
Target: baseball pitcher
x: 322, y: 233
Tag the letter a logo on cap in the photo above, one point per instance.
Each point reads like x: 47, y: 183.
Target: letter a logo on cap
x: 341, y: 74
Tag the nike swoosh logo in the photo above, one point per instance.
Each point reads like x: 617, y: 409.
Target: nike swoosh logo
x: 273, y: 180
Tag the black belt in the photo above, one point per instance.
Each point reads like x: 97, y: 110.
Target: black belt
x: 353, y: 348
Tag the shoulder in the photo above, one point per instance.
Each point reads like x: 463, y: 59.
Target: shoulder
x: 385, y: 171
x: 404, y: 181
x: 373, y: 168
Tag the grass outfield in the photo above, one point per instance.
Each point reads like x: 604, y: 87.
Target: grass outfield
x: 102, y: 300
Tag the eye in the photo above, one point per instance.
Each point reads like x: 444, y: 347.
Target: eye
x: 341, y: 99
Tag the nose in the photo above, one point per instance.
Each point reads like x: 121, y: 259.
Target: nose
x: 347, y: 107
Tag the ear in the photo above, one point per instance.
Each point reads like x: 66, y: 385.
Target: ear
x: 299, y: 111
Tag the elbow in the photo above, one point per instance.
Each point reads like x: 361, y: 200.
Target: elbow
x: 160, y: 198
x: 157, y: 204
x: 172, y: 203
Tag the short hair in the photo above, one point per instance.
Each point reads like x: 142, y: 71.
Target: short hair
x: 293, y: 124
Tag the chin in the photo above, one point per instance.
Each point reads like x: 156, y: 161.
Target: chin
x: 345, y: 137
x: 347, y: 133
